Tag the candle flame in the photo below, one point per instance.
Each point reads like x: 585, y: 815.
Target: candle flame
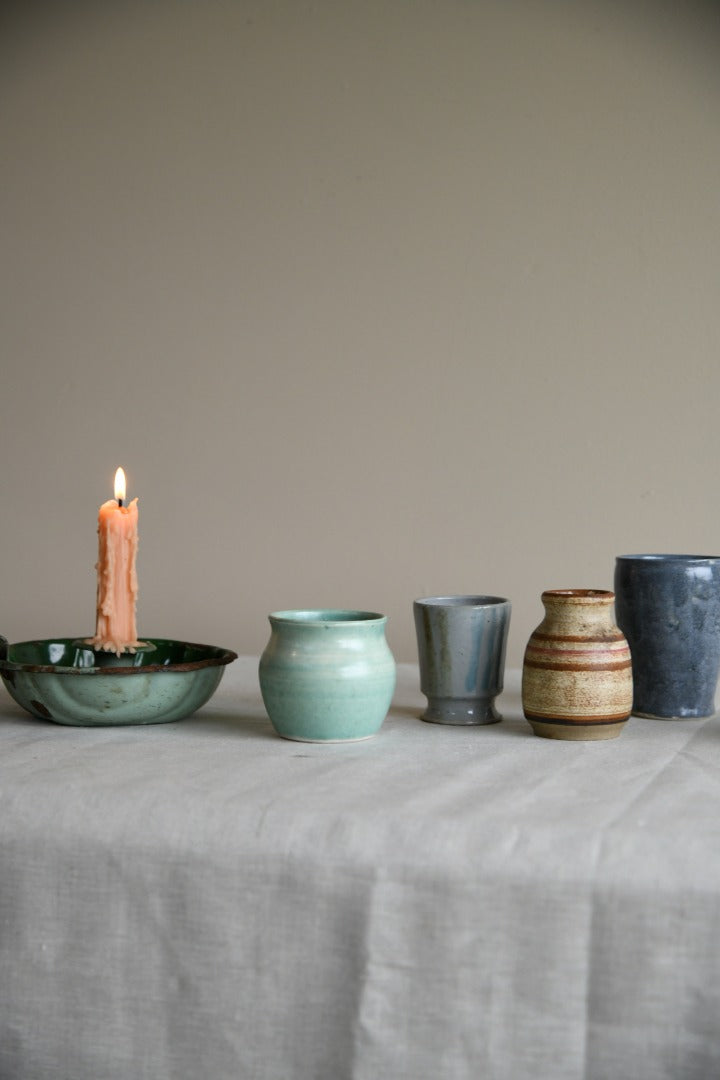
x: 120, y: 484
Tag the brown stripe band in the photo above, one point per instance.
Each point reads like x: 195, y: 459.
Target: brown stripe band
x: 559, y: 654
x: 557, y: 665
x: 567, y: 722
x: 619, y: 636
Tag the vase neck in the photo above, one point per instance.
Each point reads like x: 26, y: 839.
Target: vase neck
x: 579, y: 610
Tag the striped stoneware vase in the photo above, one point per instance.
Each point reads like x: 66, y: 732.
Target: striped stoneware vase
x: 577, y: 673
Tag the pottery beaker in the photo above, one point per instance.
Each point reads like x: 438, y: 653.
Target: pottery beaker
x: 461, y: 649
x: 668, y: 607
x: 327, y: 675
x: 577, y: 672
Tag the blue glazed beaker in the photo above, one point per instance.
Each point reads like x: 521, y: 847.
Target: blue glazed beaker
x: 668, y: 608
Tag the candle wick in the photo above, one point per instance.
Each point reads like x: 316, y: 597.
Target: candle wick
x: 120, y: 502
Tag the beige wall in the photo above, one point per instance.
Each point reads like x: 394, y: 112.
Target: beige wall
x: 371, y: 299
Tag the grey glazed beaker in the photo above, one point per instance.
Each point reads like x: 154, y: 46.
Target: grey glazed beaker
x: 461, y: 649
x: 668, y: 608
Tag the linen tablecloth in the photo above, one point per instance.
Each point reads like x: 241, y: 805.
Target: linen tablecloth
x: 205, y: 899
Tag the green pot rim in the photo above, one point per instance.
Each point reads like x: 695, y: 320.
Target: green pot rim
x: 339, y: 617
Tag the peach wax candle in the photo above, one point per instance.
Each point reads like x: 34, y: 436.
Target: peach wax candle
x: 117, y: 588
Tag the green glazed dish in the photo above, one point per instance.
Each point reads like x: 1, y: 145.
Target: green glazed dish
x: 66, y: 681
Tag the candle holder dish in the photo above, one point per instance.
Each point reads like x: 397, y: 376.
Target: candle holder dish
x: 67, y: 681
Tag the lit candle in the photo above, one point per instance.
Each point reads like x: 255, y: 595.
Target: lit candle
x: 115, y: 629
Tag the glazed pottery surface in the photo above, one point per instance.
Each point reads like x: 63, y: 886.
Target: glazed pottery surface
x: 327, y: 675
x: 668, y: 607
x: 577, y: 671
x: 461, y: 650
x: 65, y: 680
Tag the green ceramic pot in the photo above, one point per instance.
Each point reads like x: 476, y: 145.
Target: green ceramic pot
x: 67, y: 681
x: 327, y: 676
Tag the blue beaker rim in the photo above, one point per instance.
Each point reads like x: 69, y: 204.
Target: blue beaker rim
x: 670, y: 557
